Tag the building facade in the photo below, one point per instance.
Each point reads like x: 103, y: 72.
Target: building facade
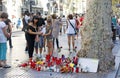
x: 32, y: 6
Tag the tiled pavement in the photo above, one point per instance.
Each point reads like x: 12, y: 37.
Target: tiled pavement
x: 17, y: 55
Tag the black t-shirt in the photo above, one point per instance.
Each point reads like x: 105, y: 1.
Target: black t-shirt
x: 40, y: 22
x: 7, y: 23
x: 31, y: 36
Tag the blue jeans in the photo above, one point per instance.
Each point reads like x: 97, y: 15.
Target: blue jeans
x: 40, y: 44
x: 3, y: 51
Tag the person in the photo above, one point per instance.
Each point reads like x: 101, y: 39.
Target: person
x: 40, y: 43
x: 18, y: 23
x: 114, y: 25
x: 49, y: 37
x: 81, y: 20
x: 31, y: 35
x: 56, y: 28
x: 71, y: 31
x: 25, y: 24
x: 3, y: 40
x: 9, y: 30
x: 77, y: 25
x: 59, y: 19
x: 64, y: 23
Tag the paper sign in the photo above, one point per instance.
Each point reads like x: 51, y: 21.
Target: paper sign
x: 43, y: 30
x: 88, y: 64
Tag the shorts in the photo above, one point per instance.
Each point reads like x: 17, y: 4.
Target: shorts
x: 49, y: 40
x: 3, y: 51
x: 39, y: 44
x: 71, y: 34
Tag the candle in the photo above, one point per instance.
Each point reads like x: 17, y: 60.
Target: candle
x: 77, y: 69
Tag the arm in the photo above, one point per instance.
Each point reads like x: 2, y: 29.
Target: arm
x: 67, y: 23
x: 5, y: 32
x: 10, y: 27
x: 48, y: 33
x: 34, y: 33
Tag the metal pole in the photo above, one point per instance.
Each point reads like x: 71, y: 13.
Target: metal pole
x: 30, y: 6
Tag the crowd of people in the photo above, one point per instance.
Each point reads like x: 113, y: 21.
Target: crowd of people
x: 115, y: 25
x: 40, y: 33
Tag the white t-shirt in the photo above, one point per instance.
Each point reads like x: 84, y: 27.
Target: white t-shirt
x: 64, y: 23
x: 3, y: 39
x: 70, y: 29
x: 27, y: 18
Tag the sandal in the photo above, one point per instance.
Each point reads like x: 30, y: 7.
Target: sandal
x: 6, y: 66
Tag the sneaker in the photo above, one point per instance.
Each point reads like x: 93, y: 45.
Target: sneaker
x: 59, y: 49
x: 11, y: 46
x: 74, y: 50
x: 6, y: 66
x: 40, y: 56
x: 44, y: 50
x: 35, y: 55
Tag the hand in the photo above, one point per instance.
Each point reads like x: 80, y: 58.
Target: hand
x: 8, y: 35
x: 44, y: 34
x: 38, y: 33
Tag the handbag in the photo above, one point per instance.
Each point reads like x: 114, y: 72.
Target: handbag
x: 73, y: 27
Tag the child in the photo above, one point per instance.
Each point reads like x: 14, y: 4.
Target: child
x: 49, y: 36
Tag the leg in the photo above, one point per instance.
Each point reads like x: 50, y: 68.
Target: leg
x: 73, y: 41
x: 30, y: 48
x: 57, y: 42
x: 3, y: 55
x: 53, y: 42
x: 41, y: 44
x: 50, y: 47
x: 114, y: 35
x: 26, y: 37
x: 69, y: 41
x: 10, y: 42
x: 44, y: 44
x: 40, y: 51
x: 36, y: 47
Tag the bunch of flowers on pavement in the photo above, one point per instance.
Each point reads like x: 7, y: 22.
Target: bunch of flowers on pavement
x: 54, y: 64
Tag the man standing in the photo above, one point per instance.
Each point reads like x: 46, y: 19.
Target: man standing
x: 9, y: 30
x: 25, y: 24
x: 64, y: 23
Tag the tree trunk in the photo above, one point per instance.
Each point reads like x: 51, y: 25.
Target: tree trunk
x: 97, y: 35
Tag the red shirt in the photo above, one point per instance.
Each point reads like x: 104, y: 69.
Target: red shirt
x: 81, y: 20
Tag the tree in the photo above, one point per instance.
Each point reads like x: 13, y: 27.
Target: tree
x: 115, y: 10
x: 96, y: 34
